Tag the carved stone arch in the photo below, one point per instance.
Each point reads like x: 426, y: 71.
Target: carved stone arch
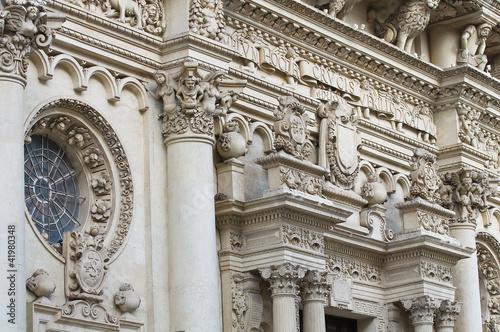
x: 387, y: 178
x: 136, y: 87
x: 266, y: 132
x: 95, y: 151
x: 103, y: 75
x: 404, y: 182
x: 488, y: 260
x: 245, y: 130
x: 47, y: 65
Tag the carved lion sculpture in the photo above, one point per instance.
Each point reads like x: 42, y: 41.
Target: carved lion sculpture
x: 407, y: 22
x: 129, y: 8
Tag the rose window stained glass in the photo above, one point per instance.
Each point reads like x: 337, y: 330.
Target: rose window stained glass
x: 51, y: 188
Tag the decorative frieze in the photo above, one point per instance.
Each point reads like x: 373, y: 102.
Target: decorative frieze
x: 303, y: 238
x: 436, y: 272
x: 356, y: 270
x: 148, y: 16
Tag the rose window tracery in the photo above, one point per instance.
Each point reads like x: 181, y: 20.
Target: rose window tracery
x: 52, y: 192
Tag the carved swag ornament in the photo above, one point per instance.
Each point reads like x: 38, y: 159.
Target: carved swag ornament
x: 189, y: 102
x: 24, y: 27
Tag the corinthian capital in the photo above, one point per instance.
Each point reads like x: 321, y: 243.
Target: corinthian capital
x: 446, y: 315
x: 24, y: 26
x: 422, y: 310
x: 314, y: 286
x: 284, y: 278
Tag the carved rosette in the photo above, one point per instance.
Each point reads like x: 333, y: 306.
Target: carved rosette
x: 291, y: 133
x: 422, y: 310
x: 447, y: 312
x: 24, y: 28
x: 284, y: 278
x: 206, y: 18
x: 86, y: 266
x: 314, y: 286
x: 339, y: 142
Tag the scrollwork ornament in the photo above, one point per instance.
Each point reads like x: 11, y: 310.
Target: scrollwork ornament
x: 424, y: 176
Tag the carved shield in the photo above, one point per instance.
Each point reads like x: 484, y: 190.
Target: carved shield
x: 90, y: 272
x: 347, y: 146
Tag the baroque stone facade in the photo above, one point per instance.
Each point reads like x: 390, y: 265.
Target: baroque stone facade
x: 247, y: 165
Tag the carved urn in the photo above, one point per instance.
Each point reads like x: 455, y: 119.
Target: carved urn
x: 231, y: 145
x: 126, y: 299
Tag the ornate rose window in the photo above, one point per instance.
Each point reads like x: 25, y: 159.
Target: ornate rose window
x: 77, y: 176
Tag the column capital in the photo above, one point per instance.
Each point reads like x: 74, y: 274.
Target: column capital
x: 191, y: 101
x: 27, y: 27
x: 446, y: 313
x: 422, y: 309
x: 314, y: 286
x: 284, y: 278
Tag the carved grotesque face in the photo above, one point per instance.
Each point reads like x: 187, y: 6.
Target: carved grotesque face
x: 190, y: 84
x: 432, y: 4
x: 484, y: 30
x: 32, y: 13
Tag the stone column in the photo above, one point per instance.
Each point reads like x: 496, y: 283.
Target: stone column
x: 188, y: 129
x: 422, y: 311
x: 194, y: 295
x: 314, y: 293
x: 14, y: 52
x: 284, y: 291
x: 466, y: 279
x: 446, y: 315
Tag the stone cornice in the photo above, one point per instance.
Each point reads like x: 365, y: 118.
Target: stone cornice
x: 420, y: 204
x: 108, y: 47
x: 318, y: 213
x: 398, y: 137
